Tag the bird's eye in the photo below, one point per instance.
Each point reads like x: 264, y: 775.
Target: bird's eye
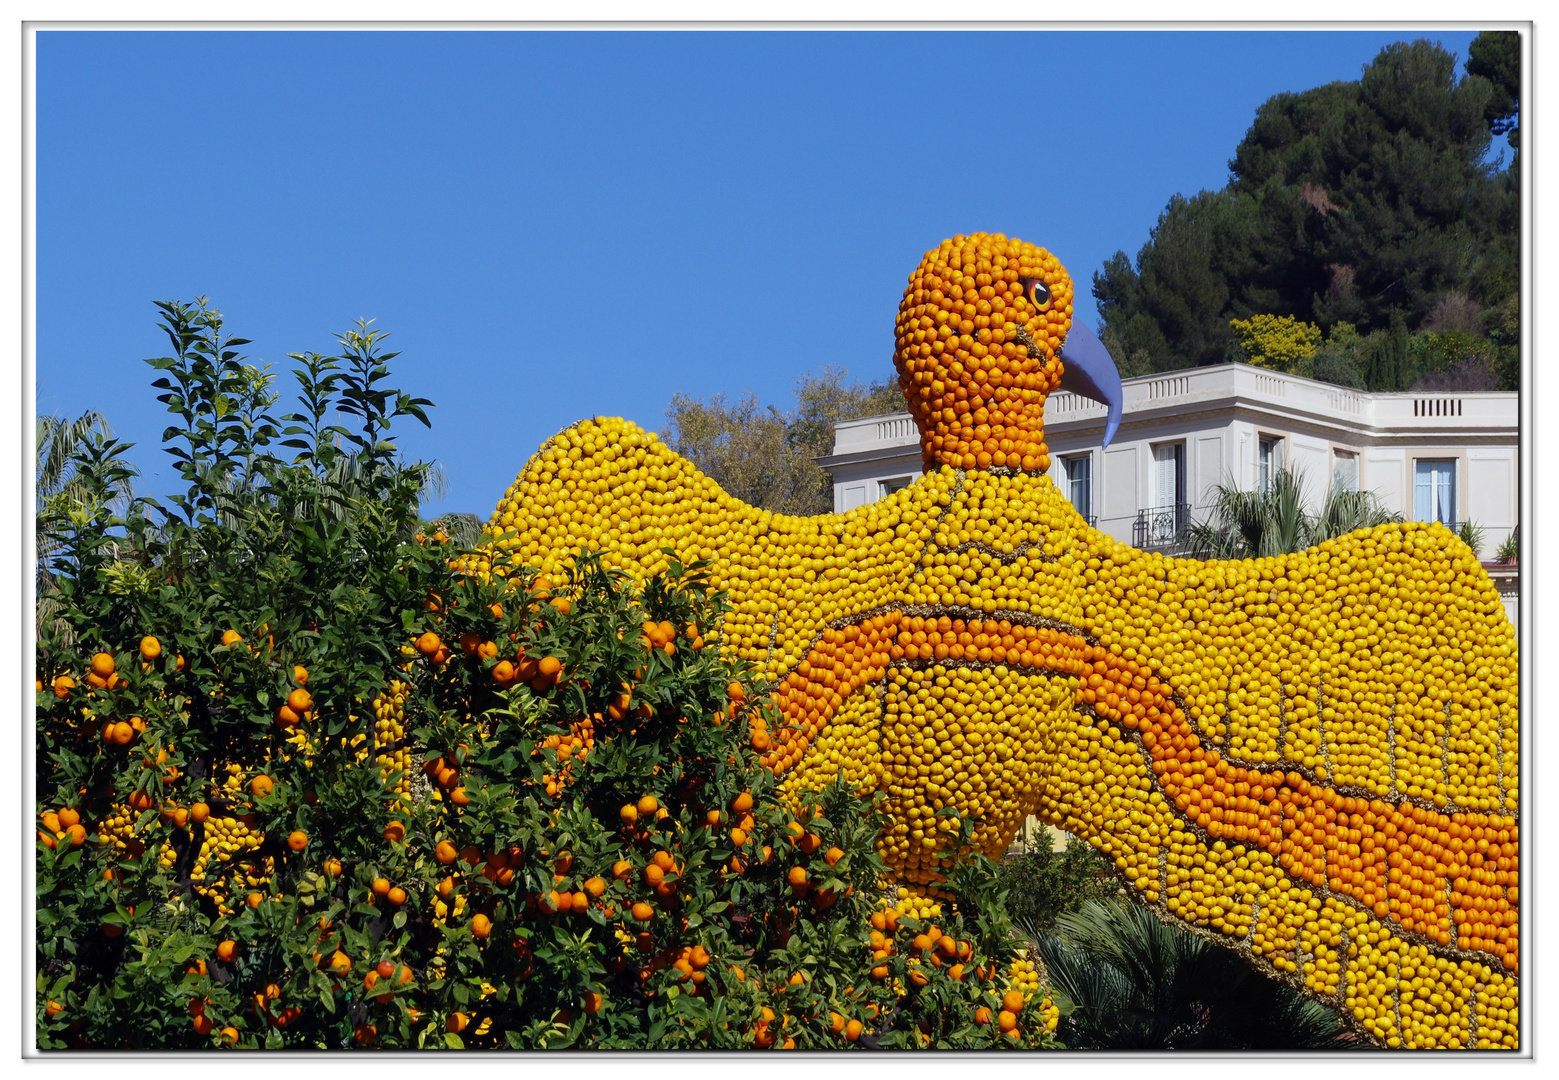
x: 1038, y: 293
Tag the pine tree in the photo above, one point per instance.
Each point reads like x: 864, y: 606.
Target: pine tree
x: 1357, y: 201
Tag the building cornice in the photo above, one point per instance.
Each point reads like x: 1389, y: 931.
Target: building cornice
x: 910, y: 450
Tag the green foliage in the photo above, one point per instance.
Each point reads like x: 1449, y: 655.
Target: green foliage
x: 1387, y: 360
x: 79, y: 477
x: 1337, y: 359
x: 1509, y: 549
x: 1042, y: 884
x: 1136, y: 983
x: 411, y: 656
x: 1495, y: 55
x: 1472, y: 534
x: 766, y: 458
x: 1257, y: 524
x: 1360, y: 202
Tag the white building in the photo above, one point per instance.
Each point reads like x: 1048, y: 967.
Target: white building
x: 1448, y: 457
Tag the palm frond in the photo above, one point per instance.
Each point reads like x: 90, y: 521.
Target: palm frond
x: 1140, y: 983
x: 1258, y: 524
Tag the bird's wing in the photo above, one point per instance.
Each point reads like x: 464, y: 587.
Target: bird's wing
x: 607, y: 485
x: 1346, y: 711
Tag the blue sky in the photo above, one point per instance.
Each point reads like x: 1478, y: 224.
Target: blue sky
x: 559, y: 225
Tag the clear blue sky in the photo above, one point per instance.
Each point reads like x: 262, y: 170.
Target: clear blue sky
x: 559, y: 225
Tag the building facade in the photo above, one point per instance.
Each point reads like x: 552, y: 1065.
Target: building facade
x: 1449, y: 457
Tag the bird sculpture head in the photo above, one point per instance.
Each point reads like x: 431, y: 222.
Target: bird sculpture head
x: 984, y: 334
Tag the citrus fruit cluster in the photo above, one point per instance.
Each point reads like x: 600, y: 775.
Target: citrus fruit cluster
x: 589, y: 855
x: 1314, y: 756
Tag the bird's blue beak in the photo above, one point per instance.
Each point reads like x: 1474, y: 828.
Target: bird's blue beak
x: 1088, y: 370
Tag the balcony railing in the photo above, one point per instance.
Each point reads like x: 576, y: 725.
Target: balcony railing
x: 1161, y: 526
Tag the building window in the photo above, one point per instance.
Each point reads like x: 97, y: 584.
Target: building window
x: 1079, y: 483
x: 1434, y: 491
x: 888, y: 487
x: 1269, y: 459
x: 1345, y: 471
x: 1169, y: 474
x: 1164, y: 523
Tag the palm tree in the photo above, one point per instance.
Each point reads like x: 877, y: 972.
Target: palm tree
x: 1273, y: 521
x: 57, y: 441
x: 70, y: 456
x: 1139, y: 984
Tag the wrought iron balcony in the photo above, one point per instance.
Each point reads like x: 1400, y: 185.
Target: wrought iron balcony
x: 1161, y: 526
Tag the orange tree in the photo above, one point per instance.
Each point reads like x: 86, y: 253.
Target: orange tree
x: 300, y: 784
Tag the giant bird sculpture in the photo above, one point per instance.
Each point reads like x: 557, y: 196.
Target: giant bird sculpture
x: 1312, y: 757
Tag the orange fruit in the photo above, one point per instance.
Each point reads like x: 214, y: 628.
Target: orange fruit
x: 151, y: 648
x: 629, y: 814
x: 642, y: 911
x: 445, y: 852
x: 297, y: 840
x: 103, y: 664
x: 456, y: 1023
x: 648, y: 805
x: 226, y: 951
x: 428, y: 643
x: 231, y: 638
x: 395, y: 831
x: 300, y: 674
x: 380, y: 886
x: 199, y: 812
x: 481, y: 925
x: 396, y: 895
x: 300, y: 700
x: 262, y: 786
x: 1012, y: 1001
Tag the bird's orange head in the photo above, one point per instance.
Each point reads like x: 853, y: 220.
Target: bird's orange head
x: 979, y: 337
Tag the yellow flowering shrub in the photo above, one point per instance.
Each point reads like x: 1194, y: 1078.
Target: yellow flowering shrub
x: 1314, y: 756
x: 1276, y: 341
